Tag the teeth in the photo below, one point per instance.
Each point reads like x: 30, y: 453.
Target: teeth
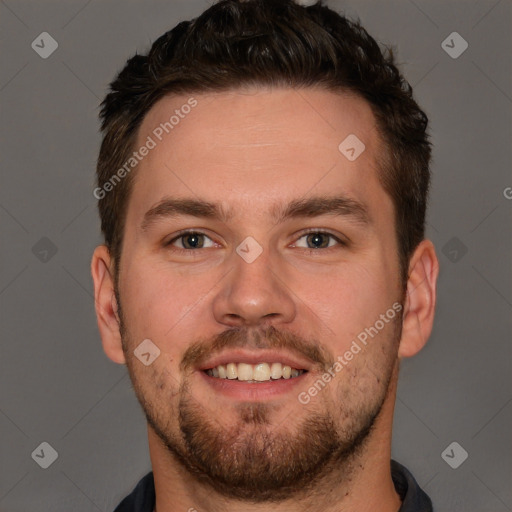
x: 231, y: 371
x: 244, y: 371
x: 261, y: 372
x: 276, y: 370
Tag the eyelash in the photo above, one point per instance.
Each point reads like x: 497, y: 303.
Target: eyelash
x: 316, y: 252
x: 184, y: 233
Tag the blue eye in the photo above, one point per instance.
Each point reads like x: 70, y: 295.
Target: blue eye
x: 191, y: 240
x: 319, y: 240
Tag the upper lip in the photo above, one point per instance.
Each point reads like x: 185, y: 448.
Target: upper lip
x: 256, y: 357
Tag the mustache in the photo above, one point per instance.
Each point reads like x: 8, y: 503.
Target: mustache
x: 256, y: 338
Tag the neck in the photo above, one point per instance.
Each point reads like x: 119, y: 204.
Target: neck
x: 364, y: 484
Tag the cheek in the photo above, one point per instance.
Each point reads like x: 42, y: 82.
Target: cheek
x: 170, y: 310
x: 157, y: 388
x: 154, y: 300
x: 348, y: 299
x: 166, y: 380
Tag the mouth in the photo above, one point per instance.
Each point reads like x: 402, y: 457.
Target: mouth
x: 255, y: 376
x: 254, y: 373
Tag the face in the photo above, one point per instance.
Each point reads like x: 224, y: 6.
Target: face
x: 254, y: 246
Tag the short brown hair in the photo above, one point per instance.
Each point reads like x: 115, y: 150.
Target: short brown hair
x: 237, y: 43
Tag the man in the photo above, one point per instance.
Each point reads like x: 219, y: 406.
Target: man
x: 262, y: 187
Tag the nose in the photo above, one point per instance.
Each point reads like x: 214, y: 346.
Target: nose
x: 253, y: 294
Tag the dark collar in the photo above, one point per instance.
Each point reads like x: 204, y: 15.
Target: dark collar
x: 413, y: 497
x: 143, y: 499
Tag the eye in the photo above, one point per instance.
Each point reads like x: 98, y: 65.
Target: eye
x: 191, y: 240
x: 318, y: 240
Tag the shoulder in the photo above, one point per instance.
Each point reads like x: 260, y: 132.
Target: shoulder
x: 142, y: 498
x: 414, y: 499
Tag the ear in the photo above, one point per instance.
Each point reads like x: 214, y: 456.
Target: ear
x: 420, y: 302
x: 105, y: 304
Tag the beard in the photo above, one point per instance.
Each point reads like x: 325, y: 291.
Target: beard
x: 253, y: 458
x: 252, y: 461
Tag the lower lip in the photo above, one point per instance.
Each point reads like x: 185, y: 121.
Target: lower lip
x: 241, y: 390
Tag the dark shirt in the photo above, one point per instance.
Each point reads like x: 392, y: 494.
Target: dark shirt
x: 142, y: 499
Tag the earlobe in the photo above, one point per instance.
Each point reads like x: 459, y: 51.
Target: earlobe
x: 420, y: 303
x: 106, y: 305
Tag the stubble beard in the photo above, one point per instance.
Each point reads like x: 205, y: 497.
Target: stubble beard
x: 255, y: 462
x: 254, y: 459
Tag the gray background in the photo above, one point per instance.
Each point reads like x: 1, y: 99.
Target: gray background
x: 57, y: 386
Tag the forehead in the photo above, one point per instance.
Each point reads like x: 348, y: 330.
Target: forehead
x: 257, y: 145
x: 255, y: 116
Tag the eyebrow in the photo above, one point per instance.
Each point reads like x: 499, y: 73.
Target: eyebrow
x: 310, y: 207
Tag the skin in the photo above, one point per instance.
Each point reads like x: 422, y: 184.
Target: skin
x: 251, y: 150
